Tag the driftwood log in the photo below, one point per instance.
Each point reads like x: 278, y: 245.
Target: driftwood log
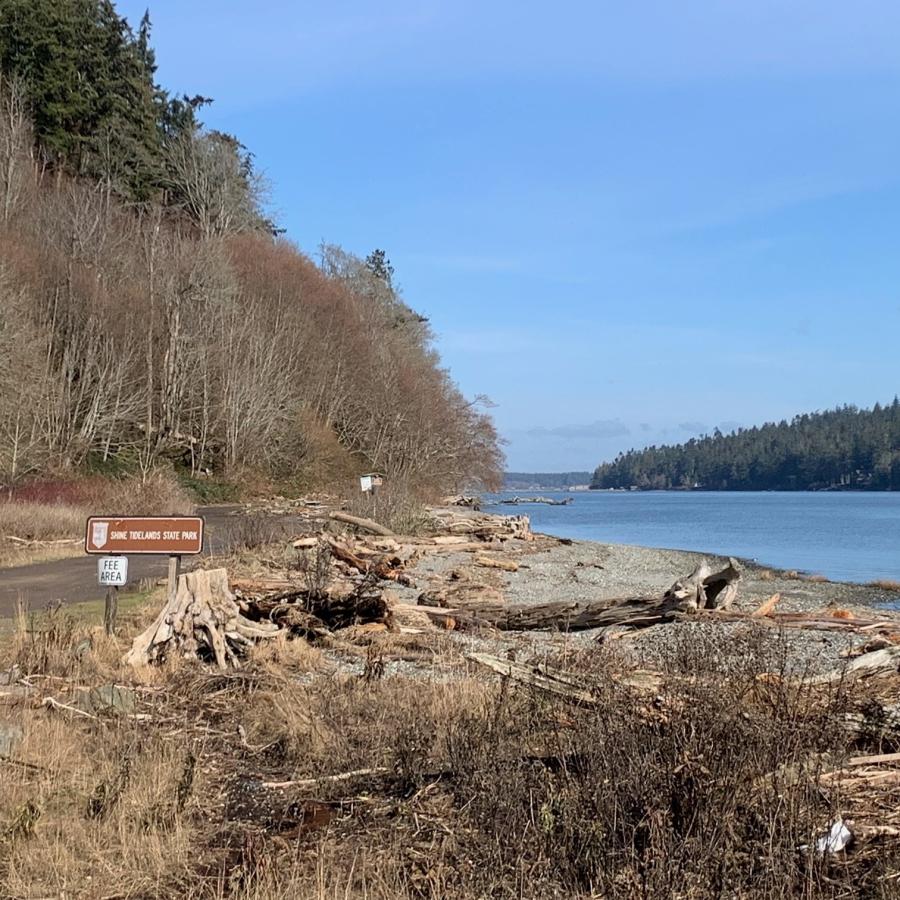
x: 561, y: 615
x: 875, y: 664
x: 358, y: 522
x: 491, y: 562
x: 203, y: 621
x: 875, y: 723
x: 569, y: 686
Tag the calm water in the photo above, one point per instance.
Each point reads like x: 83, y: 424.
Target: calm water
x: 847, y: 537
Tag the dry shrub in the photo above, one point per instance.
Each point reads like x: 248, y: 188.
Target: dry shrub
x: 314, y: 566
x: 254, y: 531
x: 818, y: 579
x: 765, y: 575
x: 159, y: 494
x: 885, y: 584
x: 397, y: 504
x: 694, y: 793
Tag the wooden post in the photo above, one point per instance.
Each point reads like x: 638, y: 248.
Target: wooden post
x: 174, y: 569
x: 110, y: 610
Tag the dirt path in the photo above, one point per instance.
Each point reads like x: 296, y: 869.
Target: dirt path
x: 75, y: 580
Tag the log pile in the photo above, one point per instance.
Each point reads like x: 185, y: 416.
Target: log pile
x: 372, y: 557
x: 463, y: 500
x: 315, y: 617
x: 481, y: 527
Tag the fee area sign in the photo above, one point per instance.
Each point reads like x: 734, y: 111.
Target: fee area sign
x: 112, y: 571
x: 171, y: 536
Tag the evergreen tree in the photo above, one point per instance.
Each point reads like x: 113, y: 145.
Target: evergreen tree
x: 97, y: 109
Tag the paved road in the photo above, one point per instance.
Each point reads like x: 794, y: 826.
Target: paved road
x: 75, y: 580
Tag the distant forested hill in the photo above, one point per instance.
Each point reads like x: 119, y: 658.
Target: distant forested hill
x: 844, y: 448
x: 518, y: 481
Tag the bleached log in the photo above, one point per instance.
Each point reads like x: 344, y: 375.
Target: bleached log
x: 563, y: 684
x: 876, y: 664
x: 363, y: 524
x: 490, y: 562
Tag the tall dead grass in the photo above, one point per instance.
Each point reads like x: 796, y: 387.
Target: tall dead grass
x: 476, y: 787
x: 40, y: 521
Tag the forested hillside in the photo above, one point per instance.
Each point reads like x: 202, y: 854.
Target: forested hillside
x: 149, y: 312
x: 845, y: 448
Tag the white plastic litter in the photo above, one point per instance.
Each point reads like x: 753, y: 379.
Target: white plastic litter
x: 834, y: 840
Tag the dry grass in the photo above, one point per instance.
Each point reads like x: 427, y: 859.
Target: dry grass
x: 35, y: 523
x: 481, y: 788
x: 98, y: 815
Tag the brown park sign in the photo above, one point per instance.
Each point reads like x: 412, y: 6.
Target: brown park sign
x: 172, y: 536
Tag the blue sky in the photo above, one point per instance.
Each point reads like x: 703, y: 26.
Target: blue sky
x: 627, y: 223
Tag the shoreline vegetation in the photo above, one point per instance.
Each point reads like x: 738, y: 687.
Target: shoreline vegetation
x: 439, y: 715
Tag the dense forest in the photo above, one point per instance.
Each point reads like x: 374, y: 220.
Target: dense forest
x: 845, y: 448
x: 524, y: 481
x: 152, y: 314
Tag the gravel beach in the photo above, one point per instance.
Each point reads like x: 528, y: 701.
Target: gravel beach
x: 550, y: 570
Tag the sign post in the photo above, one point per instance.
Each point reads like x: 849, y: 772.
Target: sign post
x: 110, y: 610
x: 113, y: 572
x: 174, y: 569
x: 369, y: 484
x: 172, y: 536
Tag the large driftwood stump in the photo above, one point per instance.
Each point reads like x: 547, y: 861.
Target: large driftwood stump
x: 705, y: 589
x: 202, y: 621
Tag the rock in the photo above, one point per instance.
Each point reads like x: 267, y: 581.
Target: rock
x: 108, y: 698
